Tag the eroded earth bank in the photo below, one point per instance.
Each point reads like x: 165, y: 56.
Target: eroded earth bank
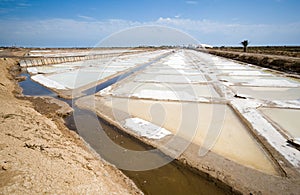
x: 39, y: 155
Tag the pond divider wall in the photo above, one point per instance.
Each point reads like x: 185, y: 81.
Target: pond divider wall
x: 41, y: 61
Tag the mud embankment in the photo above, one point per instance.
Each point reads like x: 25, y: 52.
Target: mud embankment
x: 280, y: 63
x: 39, y: 155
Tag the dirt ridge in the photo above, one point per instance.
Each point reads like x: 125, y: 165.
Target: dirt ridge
x: 38, y: 154
x: 276, y: 62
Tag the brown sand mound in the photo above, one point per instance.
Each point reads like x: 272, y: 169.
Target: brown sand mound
x: 39, y: 155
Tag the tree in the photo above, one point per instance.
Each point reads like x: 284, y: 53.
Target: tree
x: 245, y: 43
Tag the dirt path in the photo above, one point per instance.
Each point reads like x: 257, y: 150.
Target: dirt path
x: 39, y: 155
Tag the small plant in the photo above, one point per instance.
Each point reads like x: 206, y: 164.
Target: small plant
x: 245, y: 44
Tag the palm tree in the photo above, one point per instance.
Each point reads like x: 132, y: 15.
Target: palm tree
x: 245, y: 43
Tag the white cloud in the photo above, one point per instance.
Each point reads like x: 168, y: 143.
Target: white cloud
x: 149, y: 35
x: 233, y: 32
x: 58, y: 31
x: 70, y: 32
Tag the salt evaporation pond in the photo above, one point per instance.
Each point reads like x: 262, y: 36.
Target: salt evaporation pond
x: 68, y: 76
x: 168, y: 71
x: 146, y: 96
x: 62, y: 53
x: 240, y: 79
x: 234, y: 142
x: 170, y: 78
x: 171, y: 91
x: 287, y: 119
x: 268, y: 93
x: 245, y: 73
x: 176, y: 85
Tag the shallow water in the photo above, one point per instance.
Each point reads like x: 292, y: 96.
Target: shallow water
x: 240, y: 79
x: 168, y: 179
x: 32, y: 88
x: 215, y: 124
x: 251, y: 72
x: 287, y: 119
x: 77, y: 74
x: 78, y: 78
x: 155, y: 70
x: 118, y: 78
x: 170, y: 78
x: 269, y: 93
x: 184, y: 92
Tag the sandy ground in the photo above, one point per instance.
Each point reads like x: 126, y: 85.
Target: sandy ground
x: 38, y: 154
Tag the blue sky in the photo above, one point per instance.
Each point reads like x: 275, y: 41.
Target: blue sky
x: 74, y: 23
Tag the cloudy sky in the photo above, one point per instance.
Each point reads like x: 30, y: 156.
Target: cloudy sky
x: 66, y: 23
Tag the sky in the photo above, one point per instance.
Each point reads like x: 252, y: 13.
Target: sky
x: 74, y: 23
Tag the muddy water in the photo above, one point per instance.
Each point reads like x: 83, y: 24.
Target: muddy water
x: 172, y: 178
x: 34, y: 89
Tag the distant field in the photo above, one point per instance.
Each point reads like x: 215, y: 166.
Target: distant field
x: 286, y: 59
x: 290, y: 51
